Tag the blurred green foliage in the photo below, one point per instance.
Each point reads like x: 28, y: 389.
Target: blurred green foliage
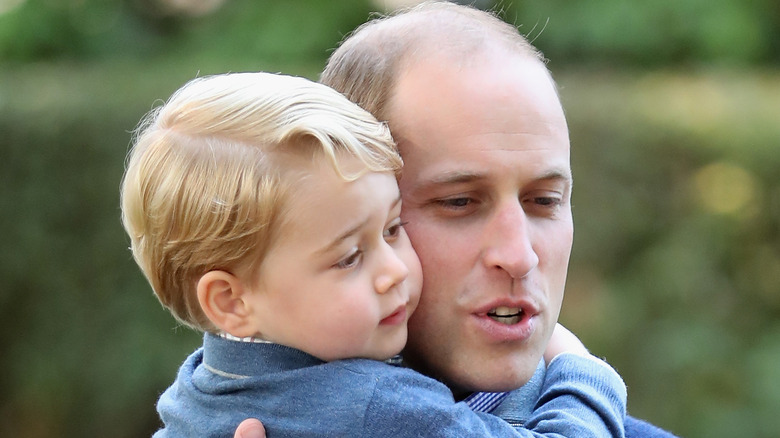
x: 675, y: 272
x: 673, y: 108
x: 657, y: 33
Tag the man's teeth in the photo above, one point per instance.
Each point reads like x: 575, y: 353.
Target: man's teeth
x: 505, y: 311
x: 506, y: 315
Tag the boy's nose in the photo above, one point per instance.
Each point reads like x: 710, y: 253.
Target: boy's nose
x: 393, y: 270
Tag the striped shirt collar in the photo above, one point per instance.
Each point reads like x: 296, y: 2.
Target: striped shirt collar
x: 484, y: 401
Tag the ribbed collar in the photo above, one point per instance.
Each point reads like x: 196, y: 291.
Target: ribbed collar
x: 246, y: 359
x: 519, y: 404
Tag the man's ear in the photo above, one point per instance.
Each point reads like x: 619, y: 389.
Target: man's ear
x: 222, y: 297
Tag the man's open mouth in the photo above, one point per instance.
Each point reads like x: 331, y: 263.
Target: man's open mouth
x: 506, y: 315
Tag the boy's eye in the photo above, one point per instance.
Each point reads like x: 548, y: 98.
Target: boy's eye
x: 393, y: 231
x: 351, y: 260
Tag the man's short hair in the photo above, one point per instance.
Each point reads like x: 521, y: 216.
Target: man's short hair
x: 366, y: 66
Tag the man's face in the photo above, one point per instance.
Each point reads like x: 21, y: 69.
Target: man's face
x: 486, y: 190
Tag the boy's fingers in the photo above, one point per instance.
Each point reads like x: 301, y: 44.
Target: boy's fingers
x: 250, y: 428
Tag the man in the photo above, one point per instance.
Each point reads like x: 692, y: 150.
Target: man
x: 486, y: 190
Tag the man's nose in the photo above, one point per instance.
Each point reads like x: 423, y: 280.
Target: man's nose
x: 392, y: 269
x: 508, y: 244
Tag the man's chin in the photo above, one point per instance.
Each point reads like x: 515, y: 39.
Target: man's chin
x: 478, y: 371
x: 491, y: 380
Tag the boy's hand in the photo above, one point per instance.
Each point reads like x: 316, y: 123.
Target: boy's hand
x: 563, y: 341
x: 250, y: 428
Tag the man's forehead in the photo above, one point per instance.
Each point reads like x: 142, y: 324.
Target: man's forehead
x: 448, y: 62
x: 436, y: 87
x: 426, y: 173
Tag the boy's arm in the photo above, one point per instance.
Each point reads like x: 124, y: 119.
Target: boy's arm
x: 574, y: 412
x: 580, y: 392
x: 574, y: 373
x: 581, y: 396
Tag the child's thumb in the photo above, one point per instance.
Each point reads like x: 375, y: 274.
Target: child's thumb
x: 250, y: 428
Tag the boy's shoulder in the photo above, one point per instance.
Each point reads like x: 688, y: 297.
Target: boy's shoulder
x: 224, y: 363
x: 350, y: 393
x: 370, y: 366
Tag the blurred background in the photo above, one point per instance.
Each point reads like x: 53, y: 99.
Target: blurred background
x: 674, y: 110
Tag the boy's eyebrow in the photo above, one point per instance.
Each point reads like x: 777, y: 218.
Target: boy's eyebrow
x: 352, y: 231
x: 342, y: 237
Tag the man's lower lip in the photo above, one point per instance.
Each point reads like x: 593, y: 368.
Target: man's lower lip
x: 397, y: 317
x: 497, y: 331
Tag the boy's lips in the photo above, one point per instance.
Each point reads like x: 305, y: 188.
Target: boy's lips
x: 398, y: 316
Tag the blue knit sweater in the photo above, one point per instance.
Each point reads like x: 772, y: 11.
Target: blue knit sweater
x: 298, y: 395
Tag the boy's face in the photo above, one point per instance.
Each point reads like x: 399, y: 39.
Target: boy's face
x: 342, y: 279
x: 486, y: 187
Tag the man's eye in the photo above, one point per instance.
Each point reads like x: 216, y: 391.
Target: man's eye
x: 455, y: 202
x: 543, y: 206
x: 547, y: 201
x: 351, y: 260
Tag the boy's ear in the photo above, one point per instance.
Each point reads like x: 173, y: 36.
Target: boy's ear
x: 221, y: 296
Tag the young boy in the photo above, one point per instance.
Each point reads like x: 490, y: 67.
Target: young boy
x: 264, y: 210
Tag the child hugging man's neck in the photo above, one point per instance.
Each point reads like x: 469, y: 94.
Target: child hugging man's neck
x: 264, y: 210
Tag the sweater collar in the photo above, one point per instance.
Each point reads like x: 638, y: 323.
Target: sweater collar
x: 238, y: 359
x: 519, y: 404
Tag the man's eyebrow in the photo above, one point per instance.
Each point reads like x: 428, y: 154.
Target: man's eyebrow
x: 457, y: 177
x: 454, y: 177
x: 556, y: 174
x: 351, y: 231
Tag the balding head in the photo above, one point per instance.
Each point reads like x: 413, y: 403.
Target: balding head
x: 368, y: 63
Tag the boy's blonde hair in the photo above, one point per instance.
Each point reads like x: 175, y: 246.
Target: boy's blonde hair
x: 206, y: 181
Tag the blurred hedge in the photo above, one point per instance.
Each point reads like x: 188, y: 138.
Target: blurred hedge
x: 677, y: 202
x: 676, y: 267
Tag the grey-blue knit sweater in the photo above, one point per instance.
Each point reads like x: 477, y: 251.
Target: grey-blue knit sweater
x: 298, y: 395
